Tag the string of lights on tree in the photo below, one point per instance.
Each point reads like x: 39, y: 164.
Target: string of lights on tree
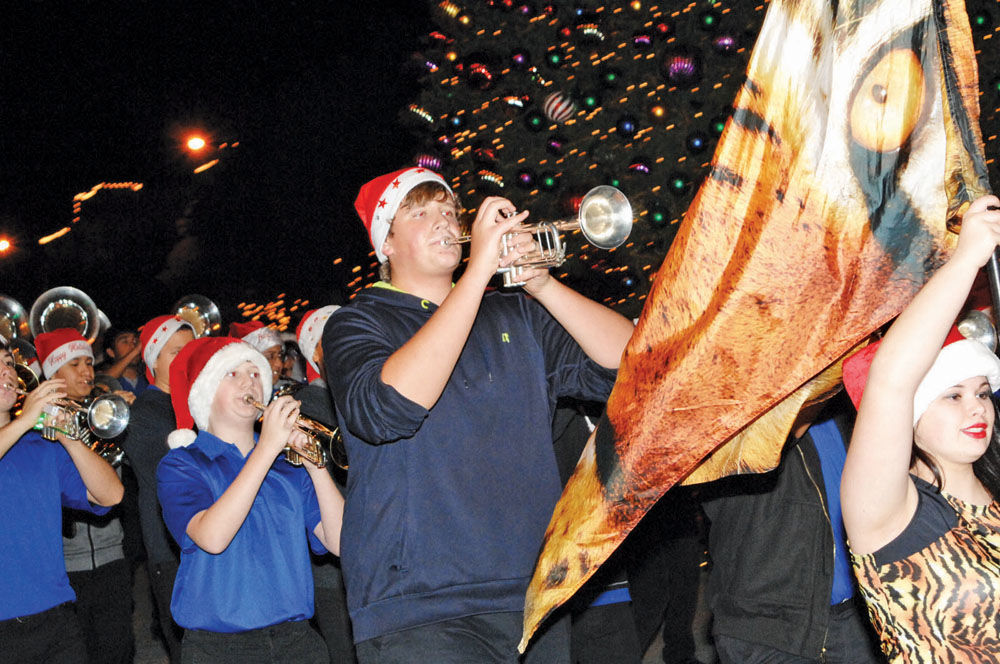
x: 540, y: 102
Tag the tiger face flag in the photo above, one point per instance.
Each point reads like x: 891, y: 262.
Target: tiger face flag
x: 853, y: 140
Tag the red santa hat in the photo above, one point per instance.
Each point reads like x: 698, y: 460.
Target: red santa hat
x: 959, y: 358
x: 58, y: 347
x: 310, y: 333
x: 154, y: 337
x: 379, y: 199
x: 195, y: 375
x: 255, y: 333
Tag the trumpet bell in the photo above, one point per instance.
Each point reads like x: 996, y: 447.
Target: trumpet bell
x: 108, y: 415
x: 201, y: 313
x: 13, y: 320
x: 605, y: 217
x: 65, y: 306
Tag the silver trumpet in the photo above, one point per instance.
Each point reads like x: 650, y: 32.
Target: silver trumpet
x: 101, y: 416
x: 315, y: 433
x: 605, y: 219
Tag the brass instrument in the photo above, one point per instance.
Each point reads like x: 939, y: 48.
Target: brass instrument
x: 321, y: 441
x: 201, y: 313
x: 13, y: 320
x: 976, y: 325
x: 65, y: 306
x: 100, y: 415
x: 605, y: 219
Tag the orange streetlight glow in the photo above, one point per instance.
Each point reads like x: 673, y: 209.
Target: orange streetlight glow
x: 4, y: 245
x: 195, y: 143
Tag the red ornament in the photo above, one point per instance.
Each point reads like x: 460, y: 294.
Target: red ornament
x: 558, y: 107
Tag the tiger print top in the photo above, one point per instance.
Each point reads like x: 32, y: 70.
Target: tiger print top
x: 933, y: 593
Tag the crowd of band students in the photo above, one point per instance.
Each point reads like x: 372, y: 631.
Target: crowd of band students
x: 449, y: 396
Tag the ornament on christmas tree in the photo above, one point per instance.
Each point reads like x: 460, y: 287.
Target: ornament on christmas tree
x: 554, y: 59
x: 611, y: 77
x: 709, y: 21
x: 589, y: 32
x: 520, y: 58
x: 981, y: 21
x: 590, y: 99
x: 724, y: 44
x: 659, y: 215
x: 534, y: 121
x: 682, y: 66
x: 696, y: 142
x: 456, y: 121
x: 491, y: 179
x: 626, y: 126
x: 642, y: 40
x: 526, y: 178
x: 558, y: 107
x: 657, y: 112
x: 556, y: 144
x: 429, y: 161
x: 678, y: 183
x: 640, y: 165
x: 662, y: 29
x: 514, y: 105
x: 549, y: 181
x: 479, y: 73
x: 719, y: 124
x: 484, y: 154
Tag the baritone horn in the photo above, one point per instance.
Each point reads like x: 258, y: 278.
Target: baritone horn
x: 65, y: 306
x: 201, y: 313
x: 605, y: 219
x: 319, y: 438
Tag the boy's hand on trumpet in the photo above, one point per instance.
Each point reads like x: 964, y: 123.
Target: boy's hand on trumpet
x: 496, y: 217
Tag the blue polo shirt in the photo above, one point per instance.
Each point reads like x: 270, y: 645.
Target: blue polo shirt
x: 37, y: 478
x: 263, y: 577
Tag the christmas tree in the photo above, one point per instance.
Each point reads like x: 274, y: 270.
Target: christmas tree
x: 541, y: 102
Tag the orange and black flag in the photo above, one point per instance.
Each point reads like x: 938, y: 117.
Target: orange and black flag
x: 853, y: 140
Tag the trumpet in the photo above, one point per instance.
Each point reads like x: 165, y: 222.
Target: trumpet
x: 103, y: 416
x: 315, y: 432
x: 605, y: 219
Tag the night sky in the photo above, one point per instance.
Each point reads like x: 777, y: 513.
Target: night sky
x: 106, y: 92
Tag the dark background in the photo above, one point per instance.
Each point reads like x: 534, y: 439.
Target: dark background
x: 98, y: 92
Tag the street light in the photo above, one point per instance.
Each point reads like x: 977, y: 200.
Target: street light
x: 195, y: 143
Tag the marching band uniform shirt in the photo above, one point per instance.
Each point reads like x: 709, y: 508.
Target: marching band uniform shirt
x: 446, y: 508
x: 37, y: 478
x: 263, y: 577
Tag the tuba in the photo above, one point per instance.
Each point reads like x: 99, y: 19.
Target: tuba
x: 201, y: 313
x: 65, y: 306
x: 13, y: 320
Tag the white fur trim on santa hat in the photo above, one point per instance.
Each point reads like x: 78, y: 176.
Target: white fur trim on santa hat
x: 225, y: 359
x: 263, y: 338
x: 955, y: 362
x: 181, y: 438
x: 312, y: 332
x: 393, y: 196
x: 160, y: 338
x: 65, y: 353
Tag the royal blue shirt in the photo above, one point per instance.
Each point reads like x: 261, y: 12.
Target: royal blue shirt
x: 832, y: 455
x: 263, y: 577
x: 37, y: 478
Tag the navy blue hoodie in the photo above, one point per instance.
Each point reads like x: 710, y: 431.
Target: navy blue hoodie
x: 447, y: 507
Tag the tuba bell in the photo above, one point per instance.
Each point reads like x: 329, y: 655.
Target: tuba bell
x: 65, y: 306
x: 201, y: 313
x: 13, y: 320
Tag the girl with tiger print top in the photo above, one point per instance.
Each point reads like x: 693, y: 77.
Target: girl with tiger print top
x: 923, y: 470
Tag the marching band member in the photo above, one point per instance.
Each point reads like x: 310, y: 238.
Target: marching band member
x: 242, y: 517
x: 145, y: 443
x: 265, y: 339
x: 445, y: 394
x: 331, y: 602
x: 92, y: 544
x: 37, y: 477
